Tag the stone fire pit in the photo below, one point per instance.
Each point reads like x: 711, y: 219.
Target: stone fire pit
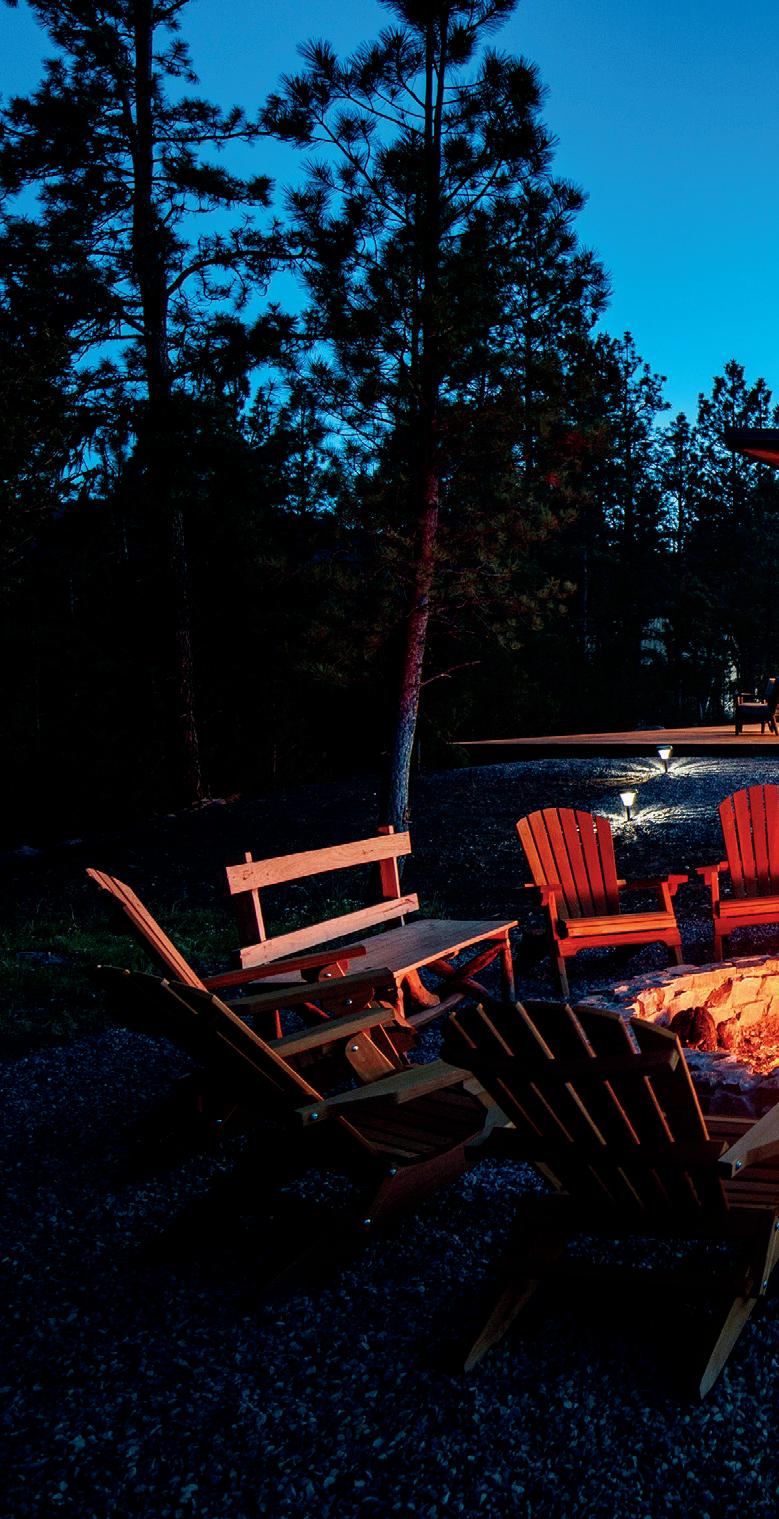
x: 726, y: 1016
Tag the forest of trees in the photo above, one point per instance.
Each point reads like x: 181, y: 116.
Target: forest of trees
x: 244, y: 541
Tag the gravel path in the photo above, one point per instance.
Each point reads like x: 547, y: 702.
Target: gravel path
x: 144, y: 1391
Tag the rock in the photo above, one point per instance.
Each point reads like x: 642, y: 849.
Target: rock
x: 696, y: 1028
x: 727, y: 1034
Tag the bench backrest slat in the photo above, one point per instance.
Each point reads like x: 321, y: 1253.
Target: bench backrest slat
x: 253, y: 875
x: 267, y: 950
x: 245, y: 881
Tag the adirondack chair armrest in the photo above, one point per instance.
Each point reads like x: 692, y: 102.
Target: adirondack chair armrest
x: 550, y: 896
x: 402, y: 1086
x: 230, y: 978
x: 657, y: 883
x: 365, y: 985
x: 547, y: 892
x: 759, y: 1144
x: 710, y: 875
x: 333, y: 1030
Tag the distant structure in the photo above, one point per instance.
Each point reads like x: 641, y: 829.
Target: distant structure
x: 755, y: 443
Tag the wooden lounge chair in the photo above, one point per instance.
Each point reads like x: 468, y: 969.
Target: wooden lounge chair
x: 405, y: 1140
x: 750, y: 710
x: 608, y: 1114
x: 571, y: 858
x: 750, y: 829
x: 430, y: 943
x: 369, y: 1054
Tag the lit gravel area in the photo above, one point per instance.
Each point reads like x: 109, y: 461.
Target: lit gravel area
x: 144, y: 1389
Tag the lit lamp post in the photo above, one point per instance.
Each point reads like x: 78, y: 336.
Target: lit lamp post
x: 627, y: 799
x: 665, y: 755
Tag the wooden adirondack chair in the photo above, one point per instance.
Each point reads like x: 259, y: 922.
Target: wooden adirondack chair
x: 404, y: 1141
x: 750, y: 710
x: 406, y: 948
x: 571, y: 858
x: 370, y: 1054
x: 608, y: 1114
x: 750, y: 829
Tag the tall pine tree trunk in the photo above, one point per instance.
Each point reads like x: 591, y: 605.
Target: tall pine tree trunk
x: 429, y: 234
x: 150, y: 269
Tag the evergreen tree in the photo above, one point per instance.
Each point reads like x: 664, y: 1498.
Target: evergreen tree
x: 123, y: 164
x: 723, y: 620
x: 421, y: 133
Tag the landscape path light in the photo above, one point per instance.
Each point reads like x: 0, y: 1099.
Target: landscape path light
x: 627, y: 799
x: 665, y: 755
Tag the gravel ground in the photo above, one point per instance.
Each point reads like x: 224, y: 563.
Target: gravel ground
x: 151, y: 1389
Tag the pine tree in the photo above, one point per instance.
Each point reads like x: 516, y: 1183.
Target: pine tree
x: 123, y: 163
x: 420, y: 134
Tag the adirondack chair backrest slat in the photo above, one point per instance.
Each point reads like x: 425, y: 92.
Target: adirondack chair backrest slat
x: 632, y: 1137
x: 245, y: 881
x: 750, y: 829
x: 569, y: 1041
x: 675, y: 1091
x: 574, y: 850
x: 200, y: 1023
x: 146, y: 930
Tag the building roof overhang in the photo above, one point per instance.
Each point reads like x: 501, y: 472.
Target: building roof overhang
x: 755, y: 442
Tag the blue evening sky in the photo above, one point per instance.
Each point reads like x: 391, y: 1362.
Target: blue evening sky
x: 667, y: 115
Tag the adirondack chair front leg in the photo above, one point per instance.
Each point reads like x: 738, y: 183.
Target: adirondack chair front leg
x: 552, y: 900
x: 710, y: 875
x: 532, y: 1250
x: 764, y: 1254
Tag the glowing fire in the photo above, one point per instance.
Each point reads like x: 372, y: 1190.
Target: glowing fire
x: 754, y: 1044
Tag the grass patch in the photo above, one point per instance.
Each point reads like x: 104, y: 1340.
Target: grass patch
x: 47, y: 966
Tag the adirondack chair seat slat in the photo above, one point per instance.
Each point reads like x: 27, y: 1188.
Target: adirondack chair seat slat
x: 406, y: 948
x: 617, y: 926
x: 749, y: 909
x: 434, y: 1123
x: 572, y: 862
x: 661, y: 1175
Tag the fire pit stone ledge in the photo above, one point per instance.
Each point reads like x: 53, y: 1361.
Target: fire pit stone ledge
x: 728, y: 1017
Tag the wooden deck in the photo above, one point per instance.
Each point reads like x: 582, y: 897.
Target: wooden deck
x: 684, y: 741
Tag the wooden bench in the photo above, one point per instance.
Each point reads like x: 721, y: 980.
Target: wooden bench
x: 405, y: 948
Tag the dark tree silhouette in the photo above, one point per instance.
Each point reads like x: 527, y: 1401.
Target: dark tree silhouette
x: 123, y: 163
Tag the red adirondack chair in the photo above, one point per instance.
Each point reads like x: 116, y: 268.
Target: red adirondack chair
x: 571, y: 857
x: 750, y: 829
